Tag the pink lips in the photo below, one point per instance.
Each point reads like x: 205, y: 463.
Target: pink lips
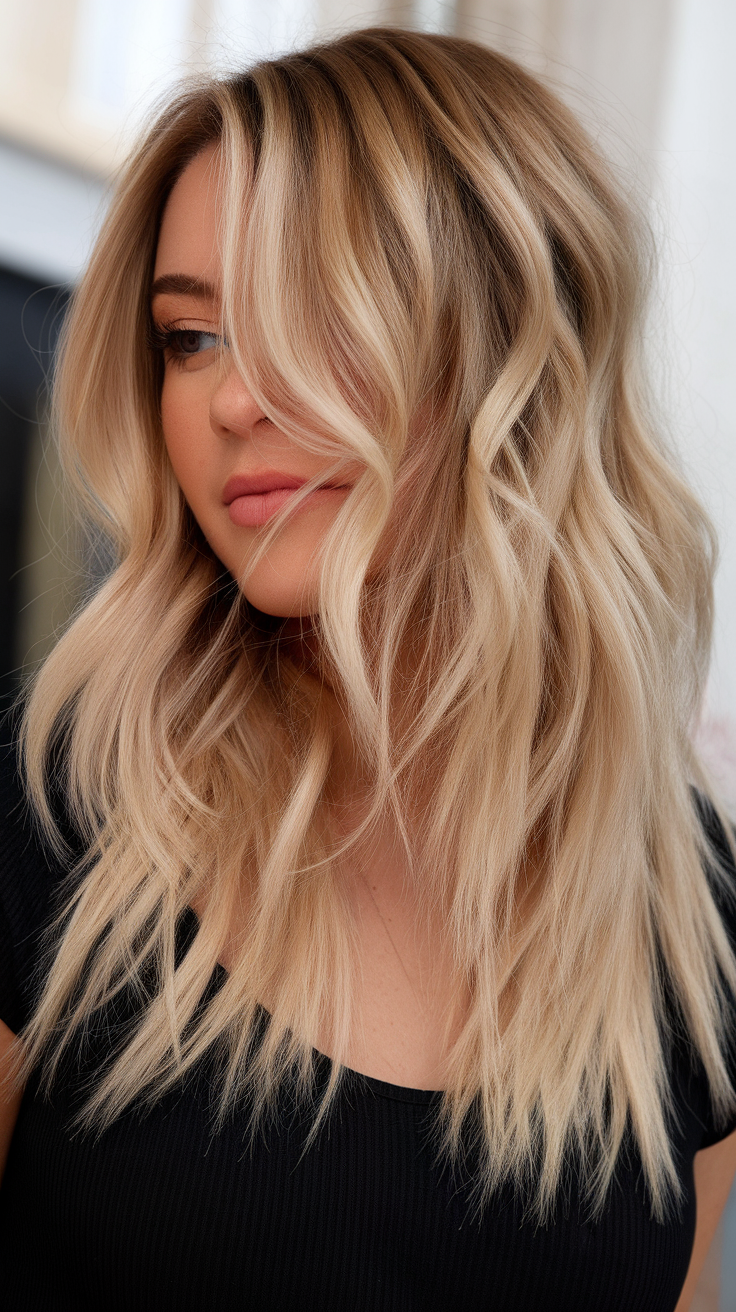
x: 252, y: 499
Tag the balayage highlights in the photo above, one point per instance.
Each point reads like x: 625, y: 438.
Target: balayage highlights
x: 428, y: 269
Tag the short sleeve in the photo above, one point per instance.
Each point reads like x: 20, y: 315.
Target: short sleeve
x: 726, y: 903
x: 29, y: 879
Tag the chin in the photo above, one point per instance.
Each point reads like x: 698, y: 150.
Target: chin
x: 278, y: 604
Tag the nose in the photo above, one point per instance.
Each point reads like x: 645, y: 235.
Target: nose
x: 233, y: 410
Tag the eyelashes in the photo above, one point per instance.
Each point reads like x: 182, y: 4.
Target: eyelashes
x: 181, y: 344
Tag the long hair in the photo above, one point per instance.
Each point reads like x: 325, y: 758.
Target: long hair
x: 428, y: 270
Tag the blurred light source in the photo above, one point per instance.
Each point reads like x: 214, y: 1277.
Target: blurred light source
x: 125, y: 55
x: 434, y: 16
x: 245, y: 30
x: 49, y: 214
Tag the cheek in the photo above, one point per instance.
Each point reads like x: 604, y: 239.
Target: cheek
x: 195, y: 453
x: 185, y: 421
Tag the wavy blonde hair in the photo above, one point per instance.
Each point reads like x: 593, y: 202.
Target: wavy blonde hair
x: 429, y: 269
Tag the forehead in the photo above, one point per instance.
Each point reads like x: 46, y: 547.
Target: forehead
x: 187, y: 240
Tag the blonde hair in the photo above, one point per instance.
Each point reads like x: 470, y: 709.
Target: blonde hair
x: 434, y: 274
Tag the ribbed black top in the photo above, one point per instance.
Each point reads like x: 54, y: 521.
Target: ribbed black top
x: 160, y: 1212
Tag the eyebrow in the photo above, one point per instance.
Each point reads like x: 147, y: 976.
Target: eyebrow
x: 182, y: 284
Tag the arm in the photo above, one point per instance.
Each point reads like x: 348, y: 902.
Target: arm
x: 714, y: 1173
x: 9, y: 1100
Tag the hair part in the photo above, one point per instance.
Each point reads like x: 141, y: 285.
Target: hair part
x: 434, y: 275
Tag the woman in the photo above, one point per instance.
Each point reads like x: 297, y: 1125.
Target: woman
x: 371, y: 945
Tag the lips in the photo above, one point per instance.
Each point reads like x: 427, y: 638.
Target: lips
x: 252, y: 499
x: 247, y: 485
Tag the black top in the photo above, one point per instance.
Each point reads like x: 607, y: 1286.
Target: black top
x: 158, y: 1212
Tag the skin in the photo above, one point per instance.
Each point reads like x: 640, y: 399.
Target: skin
x: 407, y: 1004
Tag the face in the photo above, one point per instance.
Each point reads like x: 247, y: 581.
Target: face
x: 235, y: 468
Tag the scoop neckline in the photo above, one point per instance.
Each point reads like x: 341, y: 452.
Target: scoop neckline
x: 395, y: 1092
x: 380, y: 1088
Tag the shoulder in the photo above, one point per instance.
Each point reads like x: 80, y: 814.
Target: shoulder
x: 31, y: 878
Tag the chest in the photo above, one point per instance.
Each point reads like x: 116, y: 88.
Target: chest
x: 159, y: 1213
x: 408, y: 1005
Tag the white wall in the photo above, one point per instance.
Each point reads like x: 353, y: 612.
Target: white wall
x: 697, y: 194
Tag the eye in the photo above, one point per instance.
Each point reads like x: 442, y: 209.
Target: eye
x: 189, y: 341
x: 181, y: 344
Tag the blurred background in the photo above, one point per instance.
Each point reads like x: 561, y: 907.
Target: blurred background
x: 653, y: 80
